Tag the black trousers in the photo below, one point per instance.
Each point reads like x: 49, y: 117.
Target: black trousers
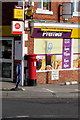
x: 18, y: 81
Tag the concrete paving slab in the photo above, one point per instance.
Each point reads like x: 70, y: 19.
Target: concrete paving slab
x: 41, y: 90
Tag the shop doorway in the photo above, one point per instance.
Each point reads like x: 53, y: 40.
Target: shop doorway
x: 6, y: 59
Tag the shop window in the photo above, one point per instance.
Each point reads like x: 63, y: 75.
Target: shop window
x: 6, y: 70
x: 49, y: 62
x: 53, y: 62
x: 6, y: 49
x: 44, y: 7
x: 76, y: 6
x: 39, y: 64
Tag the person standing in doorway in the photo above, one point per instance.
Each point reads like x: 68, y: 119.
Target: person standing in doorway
x: 18, y: 72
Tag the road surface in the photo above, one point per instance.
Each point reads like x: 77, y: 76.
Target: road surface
x: 40, y: 107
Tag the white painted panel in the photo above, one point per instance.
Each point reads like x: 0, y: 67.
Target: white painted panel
x: 18, y: 50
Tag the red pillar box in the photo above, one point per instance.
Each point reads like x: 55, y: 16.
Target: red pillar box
x: 32, y: 69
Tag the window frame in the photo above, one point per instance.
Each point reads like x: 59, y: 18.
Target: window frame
x: 42, y: 5
x: 75, y: 12
x: 43, y: 11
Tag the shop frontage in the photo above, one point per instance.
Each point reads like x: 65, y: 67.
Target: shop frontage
x: 57, y: 48
x: 6, y: 59
x: 7, y: 54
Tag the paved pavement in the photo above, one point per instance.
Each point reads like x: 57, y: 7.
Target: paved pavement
x: 41, y: 90
x: 58, y: 91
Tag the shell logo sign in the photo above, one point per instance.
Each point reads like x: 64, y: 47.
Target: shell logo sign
x: 17, y: 27
x: 29, y: 12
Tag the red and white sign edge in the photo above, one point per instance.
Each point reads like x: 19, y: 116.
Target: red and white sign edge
x: 17, y: 30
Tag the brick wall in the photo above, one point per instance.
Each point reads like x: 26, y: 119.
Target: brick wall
x: 64, y: 76
x: 41, y: 77
x: 54, y: 17
x: 54, y: 9
x: 74, y: 19
x: 29, y: 43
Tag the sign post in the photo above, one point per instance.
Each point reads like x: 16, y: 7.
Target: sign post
x: 22, y: 74
x: 18, y: 28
